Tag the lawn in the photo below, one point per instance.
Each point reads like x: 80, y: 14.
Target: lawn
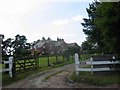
x: 43, y: 61
x: 0, y: 65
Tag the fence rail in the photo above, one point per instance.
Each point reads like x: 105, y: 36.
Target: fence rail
x: 19, y: 65
x: 93, y: 63
x: 24, y: 64
x: 95, y: 69
x: 102, y: 62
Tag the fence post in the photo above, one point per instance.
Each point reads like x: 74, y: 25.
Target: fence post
x: 37, y: 62
x: 10, y: 65
x: 77, y: 63
x: 48, y: 60
x: 56, y: 58
x: 91, y: 60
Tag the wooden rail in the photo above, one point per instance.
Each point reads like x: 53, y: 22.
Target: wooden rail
x: 25, y: 64
x: 92, y: 63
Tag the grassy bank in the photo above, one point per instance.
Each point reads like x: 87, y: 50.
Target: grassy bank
x: 96, y: 79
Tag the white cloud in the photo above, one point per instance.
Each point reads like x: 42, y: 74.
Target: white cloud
x: 13, y: 14
x: 77, y: 18
x: 24, y: 17
x: 64, y: 35
x: 17, y: 6
x: 61, y: 22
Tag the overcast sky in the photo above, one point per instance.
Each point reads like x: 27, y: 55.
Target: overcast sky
x: 35, y: 19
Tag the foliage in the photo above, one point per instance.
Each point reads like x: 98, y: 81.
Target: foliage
x: 85, y: 56
x: 110, y: 18
x: 6, y: 47
x: 17, y: 47
x: 102, y: 26
x: 73, y: 50
x: 89, y: 47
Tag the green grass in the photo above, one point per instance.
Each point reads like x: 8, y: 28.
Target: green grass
x: 43, y: 61
x: 0, y: 65
x: 95, y: 79
x: 43, y: 66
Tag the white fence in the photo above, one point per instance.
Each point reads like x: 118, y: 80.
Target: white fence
x: 91, y: 63
x: 10, y: 62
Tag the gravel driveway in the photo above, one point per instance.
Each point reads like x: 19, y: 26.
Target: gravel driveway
x: 37, y: 80
x: 59, y: 80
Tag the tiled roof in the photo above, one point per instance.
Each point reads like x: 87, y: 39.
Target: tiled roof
x: 39, y: 44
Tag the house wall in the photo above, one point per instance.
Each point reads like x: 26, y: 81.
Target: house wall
x: 52, y: 47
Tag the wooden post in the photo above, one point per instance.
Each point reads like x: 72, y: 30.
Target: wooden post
x: 72, y: 56
x: 91, y: 60
x: 14, y: 69
x: 77, y: 63
x: 38, y: 62
x: 56, y: 59
x: 24, y: 64
x: 10, y: 66
x: 68, y: 56
x: 63, y: 57
x: 48, y: 60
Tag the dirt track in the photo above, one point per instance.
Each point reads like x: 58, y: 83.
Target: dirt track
x: 59, y: 80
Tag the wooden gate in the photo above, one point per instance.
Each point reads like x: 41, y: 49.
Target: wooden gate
x: 25, y: 64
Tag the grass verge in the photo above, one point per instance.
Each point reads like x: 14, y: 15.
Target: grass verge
x: 96, y: 79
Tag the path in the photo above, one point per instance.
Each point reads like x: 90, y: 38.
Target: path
x: 36, y: 81
x: 57, y: 81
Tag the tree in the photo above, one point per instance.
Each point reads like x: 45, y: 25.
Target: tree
x: 89, y: 47
x: 21, y: 47
x: 7, y: 47
x: 73, y: 50
x: 103, y: 26
x: 90, y: 28
x: 18, y: 47
x: 108, y: 22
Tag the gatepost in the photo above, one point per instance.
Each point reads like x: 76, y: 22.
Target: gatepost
x: 77, y: 63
